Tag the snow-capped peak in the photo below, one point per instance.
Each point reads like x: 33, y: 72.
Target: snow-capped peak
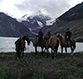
x: 50, y: 22
x: 39, y: 13
x: 35, y: 15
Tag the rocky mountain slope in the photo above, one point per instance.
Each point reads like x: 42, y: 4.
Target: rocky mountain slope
x: 37, y: 21
x: 27, y: 25
x: 30, y: 25
x: 72, y: 19
x: 11, y: 27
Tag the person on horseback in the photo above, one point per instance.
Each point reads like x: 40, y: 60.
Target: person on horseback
x: 68, y: 36
x: 40, y: 36
x: 48, y: 35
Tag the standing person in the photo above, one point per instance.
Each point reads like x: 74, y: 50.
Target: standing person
x: 40, y: 36
x: 68, y: 36
x: 48, y: 35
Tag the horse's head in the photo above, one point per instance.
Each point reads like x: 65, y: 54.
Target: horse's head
x: 60, y: 36
x: 27, y: 39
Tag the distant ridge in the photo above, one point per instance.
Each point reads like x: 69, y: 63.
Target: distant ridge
x: 73, y: 19
x: 10, y: 27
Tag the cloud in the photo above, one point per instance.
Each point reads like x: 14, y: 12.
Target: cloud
x: 8, y: 6
x: 53, y: 8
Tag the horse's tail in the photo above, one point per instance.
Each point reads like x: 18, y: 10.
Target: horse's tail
x: 74, y: 44
x: 57, y: 43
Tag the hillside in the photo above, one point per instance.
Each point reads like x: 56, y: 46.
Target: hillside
x: 11, y: 27
x: 30, y: 25
x: 27, y: 25
x: 72, y: 19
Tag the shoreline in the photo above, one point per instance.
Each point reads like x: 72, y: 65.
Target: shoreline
x: 39, y: 52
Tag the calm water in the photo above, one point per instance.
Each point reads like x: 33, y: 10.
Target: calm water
x: 7, y: 45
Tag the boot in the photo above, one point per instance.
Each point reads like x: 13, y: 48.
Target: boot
x: 68, y: 43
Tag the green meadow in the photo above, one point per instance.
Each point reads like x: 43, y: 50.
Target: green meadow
x: 37, y: 66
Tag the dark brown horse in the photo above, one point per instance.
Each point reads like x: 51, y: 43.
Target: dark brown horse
x: 38, y: 44
x: 52, y: 43
x: 20, y: 45
x: 63, y: 42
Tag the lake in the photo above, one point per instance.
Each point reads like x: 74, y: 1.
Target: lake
x: 7, y: 45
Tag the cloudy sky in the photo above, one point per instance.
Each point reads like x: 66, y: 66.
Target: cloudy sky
x: 53, y: 8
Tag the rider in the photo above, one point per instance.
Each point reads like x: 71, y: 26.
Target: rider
x: 48, y: 35
x: 68, y: 36
x: 40, y: 36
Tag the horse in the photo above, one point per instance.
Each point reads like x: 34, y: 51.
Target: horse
x: 64, y: 43
x: 37, y: 44
x: 20, y: 45
x: 52, y: 43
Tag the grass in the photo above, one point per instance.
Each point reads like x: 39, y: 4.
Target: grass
x: 39, y: 67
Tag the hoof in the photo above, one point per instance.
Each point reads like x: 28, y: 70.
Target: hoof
x: 72, y: 54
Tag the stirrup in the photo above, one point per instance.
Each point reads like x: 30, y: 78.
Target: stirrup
x: 68, y: 43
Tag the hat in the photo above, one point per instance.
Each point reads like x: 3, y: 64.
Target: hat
x: 48, y: 30
x: 67, y: 28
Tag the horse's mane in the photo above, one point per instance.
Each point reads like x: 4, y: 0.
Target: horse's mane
x: 62, y: 36
x: 58, y: 34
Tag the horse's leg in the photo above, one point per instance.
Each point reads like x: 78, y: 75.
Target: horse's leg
x: 73, y: 47
x: 42, y: 50
x: 47, y: 53
x: 22, y: 54
x: 61, y: 50
x: 18, y: 54
x: 35, y: 49
x: 55, y: 53
x: 52, y: 53
x: 72, y: 51
x: 66, y: 50
x: 55, y: 50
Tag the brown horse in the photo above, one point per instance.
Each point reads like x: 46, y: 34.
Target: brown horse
x: 20, y: 45
x: 52, y: 43
x: 64, y: 43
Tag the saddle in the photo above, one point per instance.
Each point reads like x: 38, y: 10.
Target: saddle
x: 69, y: 41
x: 38, y: 40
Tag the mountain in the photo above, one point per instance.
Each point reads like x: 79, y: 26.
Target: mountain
x: 11, y: 27
x: 36, y: 22
x: 72, y: 19
x: 28, y: 25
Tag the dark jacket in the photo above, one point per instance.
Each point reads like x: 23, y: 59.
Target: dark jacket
x: 68, y: 34
x: 48, y: 34
x: 40, y: 36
